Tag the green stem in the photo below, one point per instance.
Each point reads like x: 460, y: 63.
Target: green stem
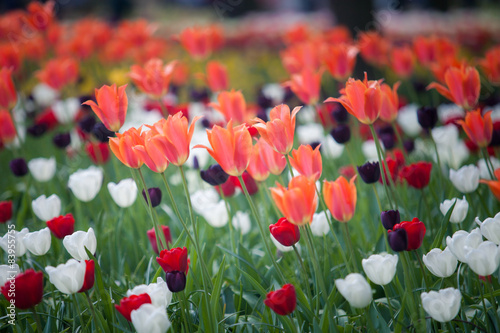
x: 92, y: 310
x: 305, y: 276
x: 377, y: 197
x: 230, y: 223
x: 351, y: 248
x: 421, y: 264
x: 389, y: 305
x: 489, y: 164
x: 78, y: 309
x: 185, y: 311
x: 485, y: 309
x: 382, y: 165
x: 493, y: 301
x: 37, y: 320
x: 287, y: 157
x: 400, y: 140
x: 174, y: 204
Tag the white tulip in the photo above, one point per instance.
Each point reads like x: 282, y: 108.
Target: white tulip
x: 459, y: 211
x: 44, y: 95
x: 6, y: 242
x: 241, y: 222
x: 331, y: 148
x: 46, y: 208
x: 216, y: 215
x: 440, y: 263
x: 408, y: 121
x: 461, y: 242
x: 124, y: 193
x: 380, y: 269
x: 42, y: 169
x: 442, y: 306
x: 483, y: 169
x: 319, y: 224
x: 309, y: 133
x: 453, y: 156
x: 159, y: 293
x: 66, y: 110
x: 490, y: 228
x: 448, y: 112
x: 465, y: 179
x: 275, y: 92
x: 445, y: 136
x: 484, y: 259
x: 281, y: 247
x: 68, y: 278
x: 8, y: 272
x: 76, y: 243
x: 355, y: 290
x: 150, y: 319
x: 86, y: 183
x: 38, y: 242
x: 369, y: 149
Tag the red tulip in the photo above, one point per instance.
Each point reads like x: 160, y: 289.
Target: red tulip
x: 58, y: 73
x: 98, y: 152
x: 417, y: 174
x: 26, y: 290
x: 174, y: 260
x: 5, y: 211
x: 62, y: 226
x: 415, y: 229
x: 250, y: 183
x: 129, y: 304
x: 286, y: 233
x: 282, y: 301
x: 152, y: 237
x: 89, y: 278
x: 7, y: 129
x: 8, y: 94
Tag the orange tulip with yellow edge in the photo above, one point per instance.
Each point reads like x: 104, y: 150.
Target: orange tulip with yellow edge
x: 306, y: 85
x: 123, y: 147
x: 233, y: 106
x: 479, y: 129
x: 340, y: 198
x: 152, y: 155
x: 307, y: 161
x: 111, y: 107
x: 390, y: 102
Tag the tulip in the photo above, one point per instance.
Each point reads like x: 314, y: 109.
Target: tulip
x: 362, y: 99
x: 154, y: 194
x: 46, y: 208
x: 408, y: 121
x: 274, y: 161
x: 217, y: 77
x: 62, y: 140
x: 159, y: 293
x: 402, y: 61
x: 380, y: 269
x: 427, y: 116
x: 8, y: 94
x: 462, y: 86
x: 415, y: 230
x: 231, y: 147
x: 152, y: 154
x: 398, y: 239
x: 214, y: 175
x: 76, y: 243
x: 282, y: 301
x: 417, y: 174
x: 58, y: 73
x: 340, y: 198
x: 373, y: 48
x: 390, y: 102
x: 490, y: 228
x: 19, y: 167
x: 44, y: 95
x: 62, y: 226
x: 297, y: 202
x: 491, y: 65
x: 459, y: 211
x: 28, y: 288
x: 257, y: 168
x: 122, y: 146
x: 67, y: 278
x: 7, y: 128
x: 440, y: 263
x: 176, y: 281
x: 98, y: 152
x: 42, y: 169
x: 279, y: 131
x: 341, y: 134
x: 89, y: 278
x: 152, y: 237
x: 101, y: 133
x: 462, y: 242
x: 319, y: 224
x: 5, y: 211
x: 17, y: 239
x: 131, y: 303
x: 233, y: 106
x: 369, y: 172
x: 494, y: 185
x: 38, y: 242
x: 65, y: 111
x: 200, y: 42
x: 484, y: 259
x: 483, y: 168
x: 286, y: 233
x: 465, y: 179
x: 154, y: 78
x: 307, y: 161
x: 479, y: 129
x: 86, y: 183
x: 173, y: 260
x: 355, y: 290
x: 306, y: 85
x: 241, y: 222
x: 339, y: 60
x: 8, y: 272
x: 111, y: 107
x: 124, y: 193
x: 150, y: 319
x: 207, y: 204
x: 443, y: 305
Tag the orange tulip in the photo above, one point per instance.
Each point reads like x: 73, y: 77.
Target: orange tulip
x: 390, y: 102
x: 307, y: 161
x: 431, y: 49
x: 274, y: 161
x: 479, y: 129
x: 297, y: 202
x: 373, y: 48
x: 231, y: 147
x: 494, y: 185
x: 279, y: 131
x: 297, y: 57
x: 491, y: 65
x: 440, y: 67
x: 154, y: 78
x: 362, y: 99
x: 8, y: 95
x: 58, y: 73
x: 111, y: 107
x: 10, y: 56
x: 233, y: 106
x: 200, y: 42
x: 40, y: 16
x: 340, y: 59
x: 257, y: 168
x: 7, y: 129
x: 402, y: 61
x: 123, y: 147
x: 173, y: 137
x: 306, y: 85
x: 340, y: 197
x: 462, y: 86
x: 217, y: 76
x: 152, y: 155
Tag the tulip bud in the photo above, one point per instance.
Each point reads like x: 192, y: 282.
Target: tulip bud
x: 46, y: 208
x: 214, y: 175
x: 19, y: 167
x: 250, y: 183
x: 417, y: 175
x: 37, y: 130
x: 465, y: 179
x: 390, y: 218
x: 462, y: 242
x: 101, y: 133
x: 89, y: 278
x: 380, y: 269
x: 87, y: 123
x: 484, y: 259
x: 150, y: 319
x: 282, y: 301
x: 340, y: 114
x: 131, y: 303
x: 28, y: 288
x: 459, y: 211
x: 61, y: 140
x: 319, y: 224
x: 6, y: 242
x: 176, y: 281
x: 355, y: 290
x: 152, y: 237
x: 341, y: 134
x: 38, y: 242
x: 409, y: 145
x: 490, y: 228
x: 5, y: 211
x: 76, y: 243
x: 159, y: 293
x: 443, y: 305
x: 154, y: 194
x: 42, y: 169
x: 86, y: 183
x: 62, y: 226
x: 440, y: 263
x: 67, y: 278
x: 415, y: 230
x: 369, y: 172
x: 285, y: 232
x: 174, y: 260
x: 98, y: 152
x: 241, y: 222
x: 398, y: 240
x: 388, y: 140
x: 124, y: 193
x: 427, y: 116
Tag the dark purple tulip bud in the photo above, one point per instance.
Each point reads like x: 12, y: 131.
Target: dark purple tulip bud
x: 385, y: 130
x: 420, y: 86
x: 390, y: 218
x: 398, y: 240
x: 102, y: 133
x: 37, y: 130
x: 262, y: 115
x: 87, y: 124
x: 174, y: 89
x: 495, y: 138
x: 427, y: 117
x: 388, y: 140
x: 409, y: 145
x: 315, y: 144
x: 263, y: 101
x: 18, y: 167
x: 62, y: 140
x: 176, y: 281
x: 214, y: 175
x: 340, y: 114
x: 206, y: 123
x: 198, y: 94
x: 341, y: 134
x: 369, y: 172
x: 196, y: 163
x: 154, y: 194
